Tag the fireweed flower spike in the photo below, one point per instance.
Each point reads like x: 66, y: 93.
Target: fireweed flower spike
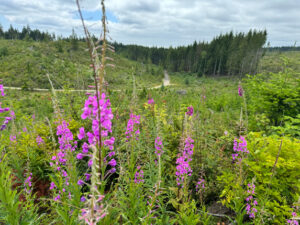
x: 251, y: 201
x: 90, y: 111
x: 158, y: 146
x: 28, y: 184
x: 59, y: 161
x: 2, y: 90
x: 151, y: 101
x: 3, y: 110
x: 183, y: 167
x: 293, y: 221
x: 240, y: 90
x: 200, y: 186
x: 139, y: 176
x: 132, y: 126
x: 39, y: 140
x: 239, y: 148
x: 190, y: 111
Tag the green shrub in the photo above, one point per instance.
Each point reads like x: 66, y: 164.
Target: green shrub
x: 274, y: 168
x: 3, y: 51
x: 275, y: 94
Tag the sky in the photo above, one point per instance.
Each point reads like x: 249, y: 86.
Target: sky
x: 160, y: 22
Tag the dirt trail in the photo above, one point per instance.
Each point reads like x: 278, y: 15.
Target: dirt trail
x: 166, y: 82
x: 166, y: 79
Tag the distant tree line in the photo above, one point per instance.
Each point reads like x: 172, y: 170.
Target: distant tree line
x: 25, y: 34
x: 226, y: 54
x: 283, y: 48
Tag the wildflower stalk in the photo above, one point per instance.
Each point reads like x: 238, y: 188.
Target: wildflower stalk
x: 99, y: 72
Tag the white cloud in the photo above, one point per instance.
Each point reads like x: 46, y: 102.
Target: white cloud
x: 164, y: 23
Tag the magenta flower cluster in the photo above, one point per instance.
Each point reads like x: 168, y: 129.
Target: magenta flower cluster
x: 13, y: 138
x: 151, y: 101
x: 200, y: 186
x: 251, y: 201
x: 28, y: 183
x: 158, y: 146
x: 240, y: 90
x: 293, y: 221
x: 139, y: 175
x: 239, y: 147
x: 91, y: 111
x: 39, y: 141
x: 3, y: 110
x: 190, y: 110
x: 2, y: 90
x: 183, y: 167
x: 65, y: 140
x: 132, y: 126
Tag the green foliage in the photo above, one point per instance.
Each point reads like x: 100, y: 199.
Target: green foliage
x: 276, y: 95
x: 291, y: 127
x: 187, y: 214
x: 3, y: 51
x: 14, y: 211
x: 132, y: 204
x: 277, y: 182
x: 278, y: 185
x: 187, y: 81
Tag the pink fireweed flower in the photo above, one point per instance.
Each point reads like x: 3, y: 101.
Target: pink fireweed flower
x: 13, y: 138
x: 28, y: 184
x: 110, y: 143
x: 91, y: 111
x: 81, y: 134
x: 65, y: 136
x: 200, y: 186
x: 57, y: 198
x: 183, y: 168
x: 59, y: 161
x: 2, y: 90
x: 85, y: 148
x: 80, y: 182
x: 79, y: 156
x: 139, y: 176
x: 87, y: 176
x: 132, y: 126
x: 190, y: 111
x: 82, y: 199
x: 112, y: 163
x: 90, y: 163
x: 158, y: 146
x: 240, y: 90
x: 65, y: 140
x: 251, y: 201
x: 151, y: 101
x: 240, y: 148
x: 293, y: 221
x: 39, y: 140
x: 52, y: 185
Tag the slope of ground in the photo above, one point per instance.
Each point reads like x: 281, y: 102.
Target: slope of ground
x: 25, y: 64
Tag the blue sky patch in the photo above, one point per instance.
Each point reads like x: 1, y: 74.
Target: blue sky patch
x: 95, y: 15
